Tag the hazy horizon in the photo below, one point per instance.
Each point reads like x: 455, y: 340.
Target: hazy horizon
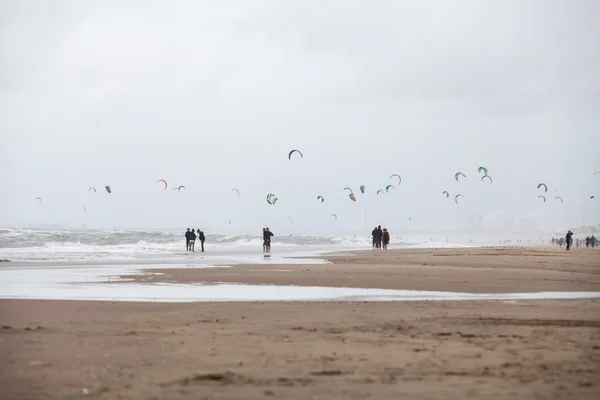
x: 214, y: 97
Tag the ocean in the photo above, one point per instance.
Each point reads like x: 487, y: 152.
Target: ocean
x: 74, y: 245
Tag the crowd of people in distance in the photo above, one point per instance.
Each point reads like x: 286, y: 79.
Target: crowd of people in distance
x: 590, y: 241
x: 190, y: 239
x: 381, y: 238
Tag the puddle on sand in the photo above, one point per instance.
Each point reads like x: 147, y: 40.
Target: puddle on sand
x: 98, y: 283
x: 166, y: 292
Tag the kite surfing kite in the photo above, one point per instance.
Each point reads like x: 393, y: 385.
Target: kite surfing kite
x: 397, y: 176
x: 458, y: 174
x: 39, y: 199
x: 271, y: 199
x: 181, y: 187
x: 107, y: 189
x: 446, y: 193
x: 83, y: 208
x: 288, y: 217
x: 545, y: 187
x: 237, y: 191
x: 351, y: 195
x: 592, y: 197
x: 347, y: 188
x: 294, y: 151
x: 597, y: 172
x: 484, y: 169
x: 486, y: 176
x: 320, y: 198
x: 456, y: 198
x: 379, y: 192
x: 163, y: 181
x: 388, y: 187
x: 409, y: 219
x: 334, y: 216
x: 542, y: 197
x: 362, y: 189
x: 92, y: 188
x: 558, y: 198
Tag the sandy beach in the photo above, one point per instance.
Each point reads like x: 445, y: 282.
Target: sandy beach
x: 475, y: 270
x: 323, y: 350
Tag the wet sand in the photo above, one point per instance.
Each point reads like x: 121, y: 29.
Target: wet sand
x: 485, y: 270
x: 323, y: 350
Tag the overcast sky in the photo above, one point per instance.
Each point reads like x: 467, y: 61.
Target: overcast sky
x: 213, y: 95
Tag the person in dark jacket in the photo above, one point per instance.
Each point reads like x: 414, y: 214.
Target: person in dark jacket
x: 192, y: 241
x: 201, y: 238
x: 374, y: 235
x: 569, y: 239
x: 267, y: 234
x: 379, y: 236
x: 187, y: 239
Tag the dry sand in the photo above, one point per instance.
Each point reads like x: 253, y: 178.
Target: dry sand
x: 323, y: 350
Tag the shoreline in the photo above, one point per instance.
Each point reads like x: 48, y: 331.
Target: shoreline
x: 473, y: 270
x: 394, y: 275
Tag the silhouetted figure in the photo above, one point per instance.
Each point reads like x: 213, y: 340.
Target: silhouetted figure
x: 187, y: 239
x: 379, y: 236
x: 569, y: 239
x: 201, y: 238
x: 374, y: 235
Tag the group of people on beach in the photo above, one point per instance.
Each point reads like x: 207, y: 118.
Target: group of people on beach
x: 381, y: 238
x: 590, y: 241
x: 190, y: 239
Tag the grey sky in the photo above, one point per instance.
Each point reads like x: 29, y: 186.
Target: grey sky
x: 212, y: 95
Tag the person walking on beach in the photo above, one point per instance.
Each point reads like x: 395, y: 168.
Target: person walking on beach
x: 187, y: 240
x: 267, y: 234
x: 374, y: 235
x: 569, y: 239
x: 593, y: 241
x: 201, y: 238
x: 587, y: 241
x: 385, y: 238
x: 192, y: 240
x: 379, y: 236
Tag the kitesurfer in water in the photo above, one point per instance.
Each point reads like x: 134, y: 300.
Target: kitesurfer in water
x: 267, y: 234
x: 201, y: 238
x: 386, y: 238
